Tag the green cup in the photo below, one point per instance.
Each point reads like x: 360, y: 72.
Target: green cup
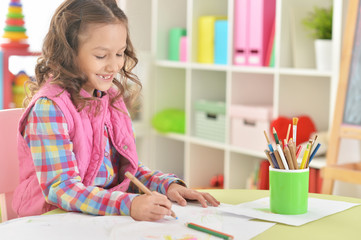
x: 288, y: 191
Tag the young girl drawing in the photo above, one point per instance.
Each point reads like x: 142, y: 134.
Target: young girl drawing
x: 75, y: 136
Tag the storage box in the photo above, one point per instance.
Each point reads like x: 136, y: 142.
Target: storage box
x: 248, y: 124
x: 210, y: 120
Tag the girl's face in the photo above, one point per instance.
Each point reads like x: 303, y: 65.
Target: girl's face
x: 101, y: 54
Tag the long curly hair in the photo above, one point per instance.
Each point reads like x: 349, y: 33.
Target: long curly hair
x: 60, y: 48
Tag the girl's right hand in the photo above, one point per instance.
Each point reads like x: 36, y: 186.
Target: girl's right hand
x: 150, y: 207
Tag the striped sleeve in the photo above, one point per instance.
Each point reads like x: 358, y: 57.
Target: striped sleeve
x: 46, y: 134
x: 155, y: 180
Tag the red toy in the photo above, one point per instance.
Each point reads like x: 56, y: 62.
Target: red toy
x: 305, y: 128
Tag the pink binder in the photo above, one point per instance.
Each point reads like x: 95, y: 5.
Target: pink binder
x: 240, y: 32
x: 262, y: 16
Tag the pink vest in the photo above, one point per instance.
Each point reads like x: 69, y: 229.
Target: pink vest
x: 86, y: 131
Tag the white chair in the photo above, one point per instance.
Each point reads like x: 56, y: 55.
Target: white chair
x: 9, y: 163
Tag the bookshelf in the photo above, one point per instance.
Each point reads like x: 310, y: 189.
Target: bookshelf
x: 293, y: 86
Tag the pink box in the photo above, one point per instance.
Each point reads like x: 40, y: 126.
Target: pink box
x: 247, y: 125
x: 183, y: 49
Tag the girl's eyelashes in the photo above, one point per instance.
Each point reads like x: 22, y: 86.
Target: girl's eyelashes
x: 101, y: 57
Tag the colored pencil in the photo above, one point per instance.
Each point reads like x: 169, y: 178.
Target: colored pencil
x: 278, y: 159
x: 283, y: 158
x: 305, y: 157
x: 209, y: 231
x: 274, y: 160
x: 293, y: 153
x: 294, y: 121
x: 267, y: 152
x: 275, y: 136
x: 314, y: 152
x: 288, y: 133
x: 140, y: 185
x: 268, y: 142
x: 288, y: 157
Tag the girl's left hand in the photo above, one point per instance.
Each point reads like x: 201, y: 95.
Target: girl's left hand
x: 179, y: 194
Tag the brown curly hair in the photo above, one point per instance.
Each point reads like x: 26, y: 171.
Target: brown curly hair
x: 60, y: 48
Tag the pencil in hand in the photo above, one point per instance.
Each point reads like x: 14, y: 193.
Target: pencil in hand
x: 144, y: 189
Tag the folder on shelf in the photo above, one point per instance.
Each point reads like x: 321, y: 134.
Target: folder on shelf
x: 220, y: 42
x: 254, y: 20
x: 262, y: 16
x: 240, y: 32
x: 270, y: 47
x: 205, y: 53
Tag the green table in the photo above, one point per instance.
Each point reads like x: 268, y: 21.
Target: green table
x: 342, y: 225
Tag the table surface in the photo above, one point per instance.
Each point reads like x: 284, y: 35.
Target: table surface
x: 342, y: 225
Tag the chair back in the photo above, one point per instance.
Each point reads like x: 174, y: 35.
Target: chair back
x: 9, y: 163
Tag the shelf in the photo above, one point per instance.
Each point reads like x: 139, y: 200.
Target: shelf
x: 293, y: 87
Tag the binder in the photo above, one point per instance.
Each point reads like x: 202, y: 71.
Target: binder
x: 270, y: 47
x: 220, y: 42
x: 240, y: 32
x: 205, y: 53
x: 262, y: 16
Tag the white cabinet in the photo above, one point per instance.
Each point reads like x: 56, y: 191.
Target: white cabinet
x: 293, y: 86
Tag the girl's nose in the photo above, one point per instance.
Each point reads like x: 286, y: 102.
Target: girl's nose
x: 113, y: 66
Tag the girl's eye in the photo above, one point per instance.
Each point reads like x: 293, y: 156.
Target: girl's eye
x: 100, y: 57
x: 120, y: 55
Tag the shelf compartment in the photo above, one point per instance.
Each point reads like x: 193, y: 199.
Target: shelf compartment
x: 170, y: 14
x: 252, y: 89
x: 240, y: 168
x: 204, y: 162
x: 204, y: 8
x: 169, y: 154
x: 170, y: 91
x: 206, y: 85
x: 310, y: 96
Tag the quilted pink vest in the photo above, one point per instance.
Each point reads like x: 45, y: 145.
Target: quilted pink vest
x: 86, y: 131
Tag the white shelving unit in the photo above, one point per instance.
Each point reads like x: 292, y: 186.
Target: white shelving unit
x: 293, y: 87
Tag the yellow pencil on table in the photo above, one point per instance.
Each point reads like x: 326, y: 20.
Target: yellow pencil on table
x: 141, y: 186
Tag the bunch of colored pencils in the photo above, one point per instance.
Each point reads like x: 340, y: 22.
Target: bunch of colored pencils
x: 285, y: 156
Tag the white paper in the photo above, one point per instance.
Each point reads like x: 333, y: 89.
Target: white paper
x: 260, y: 209
x: 81, y: 226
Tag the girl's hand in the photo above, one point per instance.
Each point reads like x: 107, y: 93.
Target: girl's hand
x: 179, y: 194
x: 150, y: 207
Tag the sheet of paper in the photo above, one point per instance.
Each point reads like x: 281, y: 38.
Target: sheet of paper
x: 260, y: 209
x: 81, y: 226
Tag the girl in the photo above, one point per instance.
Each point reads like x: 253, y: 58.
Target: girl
x: 75, y: 137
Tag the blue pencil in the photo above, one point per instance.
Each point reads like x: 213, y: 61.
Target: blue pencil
x: 274, y: 160
x: 314, y: 152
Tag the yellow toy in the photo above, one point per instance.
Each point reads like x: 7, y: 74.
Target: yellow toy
x: 14, y: 31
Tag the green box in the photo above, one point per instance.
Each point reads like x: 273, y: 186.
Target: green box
x: 210, y: 120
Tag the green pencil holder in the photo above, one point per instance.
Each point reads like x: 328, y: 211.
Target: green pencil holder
x: 175, y: 35
x: 288, y: 191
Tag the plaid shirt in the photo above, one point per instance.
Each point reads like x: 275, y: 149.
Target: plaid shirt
x: 46, y: 134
